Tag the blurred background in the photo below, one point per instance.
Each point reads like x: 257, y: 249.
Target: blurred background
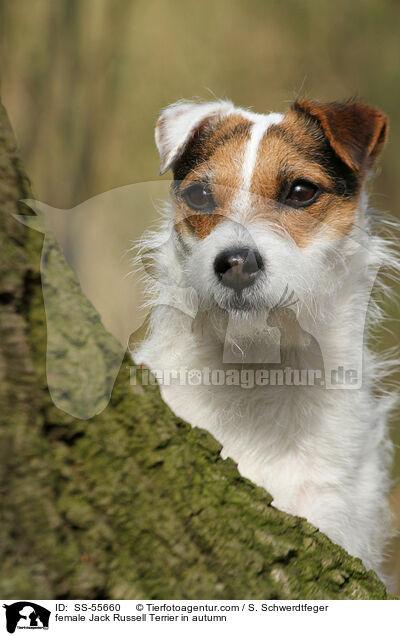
x: 84, y: 81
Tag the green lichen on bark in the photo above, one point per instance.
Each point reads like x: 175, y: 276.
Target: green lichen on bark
x: 132, y: 503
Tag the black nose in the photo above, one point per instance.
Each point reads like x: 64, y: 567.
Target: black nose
x: 238, y: 268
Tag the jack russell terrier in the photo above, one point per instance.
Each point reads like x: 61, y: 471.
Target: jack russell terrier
x: 263, y: 264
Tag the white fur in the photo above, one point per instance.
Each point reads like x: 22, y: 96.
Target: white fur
x: 176, y: 123
x: 260, y: 125
x: 322, y: 454
x: 258, y: 130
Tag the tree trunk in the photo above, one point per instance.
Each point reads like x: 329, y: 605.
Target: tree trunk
x: 132, y: 503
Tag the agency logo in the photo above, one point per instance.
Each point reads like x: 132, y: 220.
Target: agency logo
x: 117, y: 270
x: 26, y: 615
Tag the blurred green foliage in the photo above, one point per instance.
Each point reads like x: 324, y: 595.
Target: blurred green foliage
x: 84, y: 80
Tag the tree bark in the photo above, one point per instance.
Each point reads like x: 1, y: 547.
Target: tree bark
x: 133, y: 503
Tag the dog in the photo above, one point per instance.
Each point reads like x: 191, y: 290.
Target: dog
x: 263, y: 263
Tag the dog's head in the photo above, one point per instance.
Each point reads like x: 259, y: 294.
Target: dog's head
x: 263, y: 203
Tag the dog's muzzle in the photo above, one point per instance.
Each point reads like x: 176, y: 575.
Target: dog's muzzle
x: 238, y: 268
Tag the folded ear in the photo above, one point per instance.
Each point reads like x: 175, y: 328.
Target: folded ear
x: 356, y: 132
x: 179, y: 123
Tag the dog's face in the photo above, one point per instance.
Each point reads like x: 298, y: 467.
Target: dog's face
x: 262, y: 203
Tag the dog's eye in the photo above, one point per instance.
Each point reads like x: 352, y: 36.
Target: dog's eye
x: 301, y: 193
x: 199, y: 198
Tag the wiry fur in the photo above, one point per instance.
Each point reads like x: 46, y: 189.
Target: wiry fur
x: 322, y: 454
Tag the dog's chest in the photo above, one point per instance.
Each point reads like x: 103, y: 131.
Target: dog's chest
x: 268, y: 431
x: 260, y: 434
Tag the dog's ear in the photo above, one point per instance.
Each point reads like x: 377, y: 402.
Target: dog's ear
x: 356, y: 132
x: 179, y: 123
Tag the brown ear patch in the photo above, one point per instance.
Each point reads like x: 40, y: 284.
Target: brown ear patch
x: 356, y: 132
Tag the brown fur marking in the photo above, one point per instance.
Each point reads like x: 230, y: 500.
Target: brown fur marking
x: 313, y: 142
x: 219, y: 163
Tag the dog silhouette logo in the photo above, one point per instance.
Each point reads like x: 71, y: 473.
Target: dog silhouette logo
x: 82, y: 362
x: 26, y: 615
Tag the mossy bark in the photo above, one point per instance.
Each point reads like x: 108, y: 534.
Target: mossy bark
x: 133, y: 503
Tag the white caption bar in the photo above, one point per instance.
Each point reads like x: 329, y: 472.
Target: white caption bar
x: 176, y: 617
